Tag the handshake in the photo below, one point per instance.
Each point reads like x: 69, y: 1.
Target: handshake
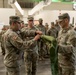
x: 37, y: 37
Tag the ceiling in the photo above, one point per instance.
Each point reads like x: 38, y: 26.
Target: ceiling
x: 26, y: 3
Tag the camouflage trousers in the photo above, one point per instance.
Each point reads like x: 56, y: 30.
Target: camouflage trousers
x: 13, y: 68
x: 30, y: 62
x: 66, y: 71
x: 41, y: 48
x: 12, y: 71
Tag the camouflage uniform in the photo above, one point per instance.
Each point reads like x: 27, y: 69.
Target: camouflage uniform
x: 57, y: 27
x: 1, y: 33
x: 41, y: 44
x: 30, y: 55
x: 46, y: 27
x: 66, y: 48
x: 42, y: 28
x: 46, y: 45
x: 11, y: 44
x: 4, y: 29
x: 52, y: 31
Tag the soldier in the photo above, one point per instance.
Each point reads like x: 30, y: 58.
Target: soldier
x: 22, y: 24
x: 47, y: 49
x: 4, y: 29
x: 66, y: 46
x: 46, y: 26
x: 30, y: 56
x: 75, y: 27
x: 57, y: 26
x: 11, y: 44
x: 41, y: 27
x: 42, y: 51
x: 26, y: 24
x: 52, y: 31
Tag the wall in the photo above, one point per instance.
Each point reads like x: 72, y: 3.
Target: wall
x: 51, y: 15
x: 4, y: 4
x: 4, y: 16
x: 59, y: 6
x: 25, y: 15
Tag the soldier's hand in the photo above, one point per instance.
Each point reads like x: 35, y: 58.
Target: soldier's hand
x: 39, y: 32
x: 37, y: 37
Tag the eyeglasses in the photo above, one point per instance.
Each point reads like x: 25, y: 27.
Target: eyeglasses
x: 61, y: 21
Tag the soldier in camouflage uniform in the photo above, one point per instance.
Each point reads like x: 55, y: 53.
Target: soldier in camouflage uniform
x: 57, y: 26
x: 22, y: 24
x: 41, y: 45
x: 46, y: 45
x: 11, y: 44
x: 52, y: 31
x: 66, y: 46
x: 30, y: 56
x: 46, y: 26
x: 4, y: 29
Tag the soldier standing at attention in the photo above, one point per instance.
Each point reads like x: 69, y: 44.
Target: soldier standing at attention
x: 22, y: 24
x: 31, y: 54
x: 41, y: 27
x: 4, y: 29
x: 46, y: 26
x: 11, y: 44
x: 57, y: 26
x: 52, y: 31
x: 41, y: 45
x: 66, y: 46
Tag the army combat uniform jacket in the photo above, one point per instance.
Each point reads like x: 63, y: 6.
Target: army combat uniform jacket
x: 52, y: 32
x: 67, y: 44
x: 11, y: 44
x: 42, y: 28
x: 27, y: 38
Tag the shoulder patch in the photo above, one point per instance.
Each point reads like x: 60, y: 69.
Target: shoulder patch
x: 14, y: 37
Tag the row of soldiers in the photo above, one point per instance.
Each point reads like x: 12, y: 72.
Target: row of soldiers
x: 26, y: 40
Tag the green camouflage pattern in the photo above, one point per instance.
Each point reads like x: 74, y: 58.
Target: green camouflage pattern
x: 31, y: 54
x: 11, y: 45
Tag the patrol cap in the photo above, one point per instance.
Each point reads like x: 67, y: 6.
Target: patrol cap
x: 22, y: 21
x: 52, y: 23
x: 63, y: 16
x: 40, y: 19
x: 30, y: 18
x: 15, y: 18
x: 46, y: 24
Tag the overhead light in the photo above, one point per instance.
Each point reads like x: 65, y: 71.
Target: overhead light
x: 16, y: 6
x: 39, y: 6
